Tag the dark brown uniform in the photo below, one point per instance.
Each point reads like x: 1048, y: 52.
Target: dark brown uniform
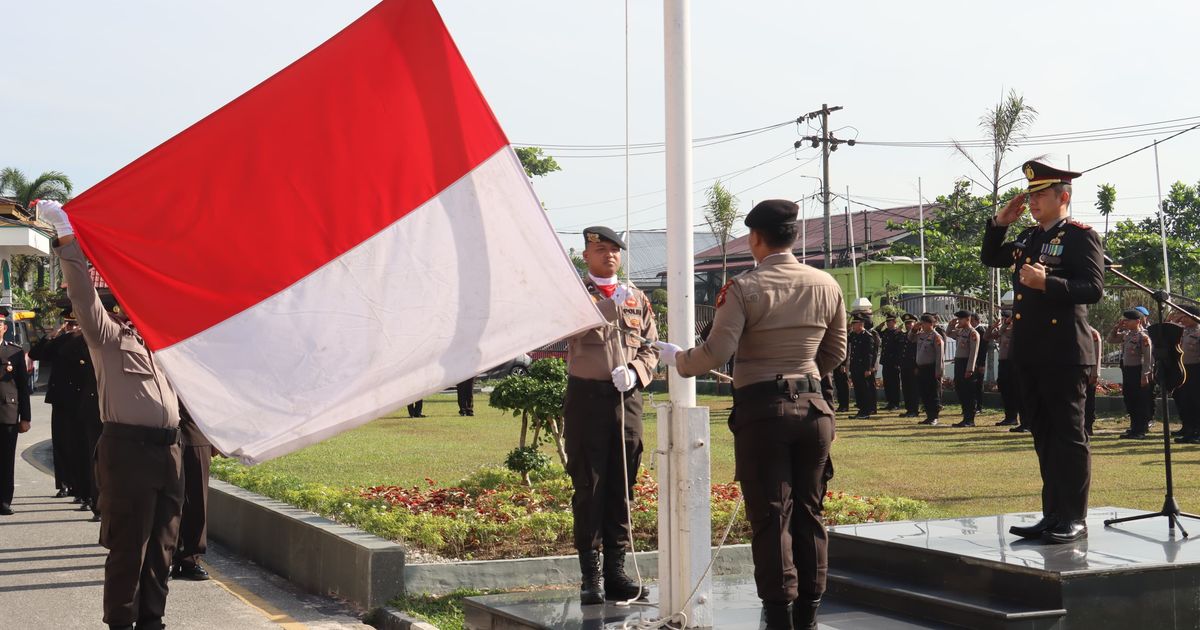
x: 14, y: 409
x: 786, y: 322
x: 138, y: 457
x: 193, y: 524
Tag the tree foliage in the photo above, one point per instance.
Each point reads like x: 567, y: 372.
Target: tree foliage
x: 1137, y: 246
x: 49, y: 185
x: 535, y: 162
x: 537, y: 397
x: 721, y: 213
x: 1106, y: 202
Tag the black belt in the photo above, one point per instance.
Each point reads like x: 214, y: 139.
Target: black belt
x: 789, y: 387
x: 145, y: 435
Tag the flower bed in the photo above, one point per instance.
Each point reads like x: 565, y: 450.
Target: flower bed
x: 491, y: 514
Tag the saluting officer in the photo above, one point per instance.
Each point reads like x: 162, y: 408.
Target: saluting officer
x: 864, y: 354
x: 138, y: 457
x: 1010, y: 394
x: 930, y: 366
x: 62, y: 394
x: 966, y: 351
x: 891, y: 353
x: 787, y: 324
x: 908, y: 368
x: 15, y: 412
x: 607, y: 368
x: 1137, y: 373
x: 985, y: 347
x: 1187, y: 395
x: 1058, y: 269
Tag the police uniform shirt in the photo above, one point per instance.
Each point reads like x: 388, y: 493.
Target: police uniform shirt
x: 782, y: 318
x: 593, y: 354
x: 891, y: 345
x: 1003, y: 337
x: 1050, y: 326
x: 981, y: 354
x: 929, y: 350
x: 864, y: 350
x: 968, y: 344
x: 1136, y: 351
x: 1095, y: 369
x: 1190, y: 342
x: 133, y: 389
x: 908, y: 354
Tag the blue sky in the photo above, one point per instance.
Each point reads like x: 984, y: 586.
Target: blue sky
x: 91, y: 86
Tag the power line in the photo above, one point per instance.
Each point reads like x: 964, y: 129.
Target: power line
x: 1090, y: 135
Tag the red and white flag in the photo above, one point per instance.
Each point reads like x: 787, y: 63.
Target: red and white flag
x: 349, y: 236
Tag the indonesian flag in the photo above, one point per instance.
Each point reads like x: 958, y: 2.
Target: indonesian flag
x: 347, y: 237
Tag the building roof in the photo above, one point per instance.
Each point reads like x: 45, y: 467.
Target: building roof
x: 647, y: 255
x: 872, y: 221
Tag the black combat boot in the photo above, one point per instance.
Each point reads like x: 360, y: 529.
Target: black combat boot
x: 775, y: 616
x: 617, y: 585
x: 804, y: 614
x: 589, y: 589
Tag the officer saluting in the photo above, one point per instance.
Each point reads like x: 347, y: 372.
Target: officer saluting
x: 891, y: 350
x: 1058, y: 269
x: 863, y: 346
x: 138, y: 458
x: 14, y: 412
x: 607, y: 369
x: 908, y: 368
x: 930, y: 362
x: 787, y: 324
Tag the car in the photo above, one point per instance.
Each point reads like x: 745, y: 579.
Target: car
x: 516, y: 367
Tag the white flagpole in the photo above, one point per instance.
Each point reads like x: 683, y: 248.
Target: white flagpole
x: 921, y: 210
x: 853, y: 262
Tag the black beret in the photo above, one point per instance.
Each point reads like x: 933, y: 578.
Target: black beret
x: 908, y: 317
x: 1132, y: 314
x: 596, y: 233
x: 68, y: 315
x: 963, y: 314
x: 1042, y: 176
x: 771, y: 213
x: 928, y: 318
x: 890, y: 318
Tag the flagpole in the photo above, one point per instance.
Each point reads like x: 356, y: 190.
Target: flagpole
x: 850, y: 234
x: 684, y: 475
x: 921, y: 210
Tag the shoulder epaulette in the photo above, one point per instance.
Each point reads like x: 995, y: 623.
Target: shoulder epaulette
x: 1078, y: 224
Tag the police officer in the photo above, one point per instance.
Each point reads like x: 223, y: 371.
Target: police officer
x: 985, y: 346
x: 965, y: 352
x: 138, y: 456
x: 787, y: 324
x: 193, y: 523
x: 414, y: 409
x: 930, y: 365
x: 466, y: 397
x: 1137, y: 373
x: 1089, y: 405
x: 1187, y: 395
x: 1058, y: 269
x: 908, y: 368
x: 891, y: 352
x: 864, y: 355
x: 841, y: 382
x: 62, y: 394
x: 1010, y: 394
x: 607, y: 369
x: 14, y: 412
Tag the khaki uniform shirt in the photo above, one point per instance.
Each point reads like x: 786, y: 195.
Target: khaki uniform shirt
x: 1003, y: 336
x: 782, y: 318
x: 133, y: 389
x: 929, y: 349
x: 968, y: 345
x: 1191, y: 346
x: 1135, y: 349
x: 595, y: 353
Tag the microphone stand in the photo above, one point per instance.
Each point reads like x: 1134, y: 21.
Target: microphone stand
x: 1170, y: 508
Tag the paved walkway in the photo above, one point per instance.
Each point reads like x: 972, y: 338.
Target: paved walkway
x: 52, y: 570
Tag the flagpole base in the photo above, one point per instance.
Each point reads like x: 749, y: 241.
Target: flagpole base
x: 684, y: 513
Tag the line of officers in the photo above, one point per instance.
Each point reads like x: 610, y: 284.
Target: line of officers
x: 911, y: 358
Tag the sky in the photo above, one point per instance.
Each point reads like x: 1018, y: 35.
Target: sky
x: 90, y: 86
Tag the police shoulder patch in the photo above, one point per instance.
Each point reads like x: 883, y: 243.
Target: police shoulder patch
x: 721, y: 293
x: 1078, y: 224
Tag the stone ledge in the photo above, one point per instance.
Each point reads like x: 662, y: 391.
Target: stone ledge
x: 311, y: 551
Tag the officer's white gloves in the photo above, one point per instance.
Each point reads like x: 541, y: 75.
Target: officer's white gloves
x: 624, y: 379
x: 52, y: 212
x: 667, y: 351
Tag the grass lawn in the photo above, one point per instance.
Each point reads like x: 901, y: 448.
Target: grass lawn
x: 962, y: 472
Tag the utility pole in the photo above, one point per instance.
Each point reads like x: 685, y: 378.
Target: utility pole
x: 828, y: 144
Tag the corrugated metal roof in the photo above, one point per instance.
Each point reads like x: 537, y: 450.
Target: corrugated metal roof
x: 647, y: 255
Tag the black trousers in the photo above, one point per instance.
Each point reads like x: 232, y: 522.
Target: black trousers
x: 193, y: 523
x: 594, y: 444
x: 930, y: 386
x: 8, y: 462
x: 841, y: 381
x: 781, y: 450
x: 466, y: 396
x: 414, y: 410
x: 89, y: 417
x: 1010, y: 394
x: 66, y: 469
x: 965, y: 388
x: 980, y: 372
x: 866, y: 396
x: 1139, y: 401
x: 1089, y: 408
x: 141, y: 501
x: 891, y: 383
x: 1052, y: 401
x: 911, y: 388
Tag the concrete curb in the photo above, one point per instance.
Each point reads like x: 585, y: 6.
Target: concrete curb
x: 312, y: 552
x: 388, y: 618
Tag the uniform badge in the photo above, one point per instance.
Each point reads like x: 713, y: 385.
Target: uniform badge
x: 721, y: 294
x: 1049, y: 260
x: 1051, y: 249
x: 8, y: 366
x: 592, y: 237
x: 631, y: 302
x: 635, y: 323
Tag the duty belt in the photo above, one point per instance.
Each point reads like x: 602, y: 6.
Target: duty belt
x: 144, y: 435
x: 788, y: 387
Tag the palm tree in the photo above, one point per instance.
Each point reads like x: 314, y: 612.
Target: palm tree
x: 49, y: 185
x: 721, y: 213
x: 1106, y: 201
